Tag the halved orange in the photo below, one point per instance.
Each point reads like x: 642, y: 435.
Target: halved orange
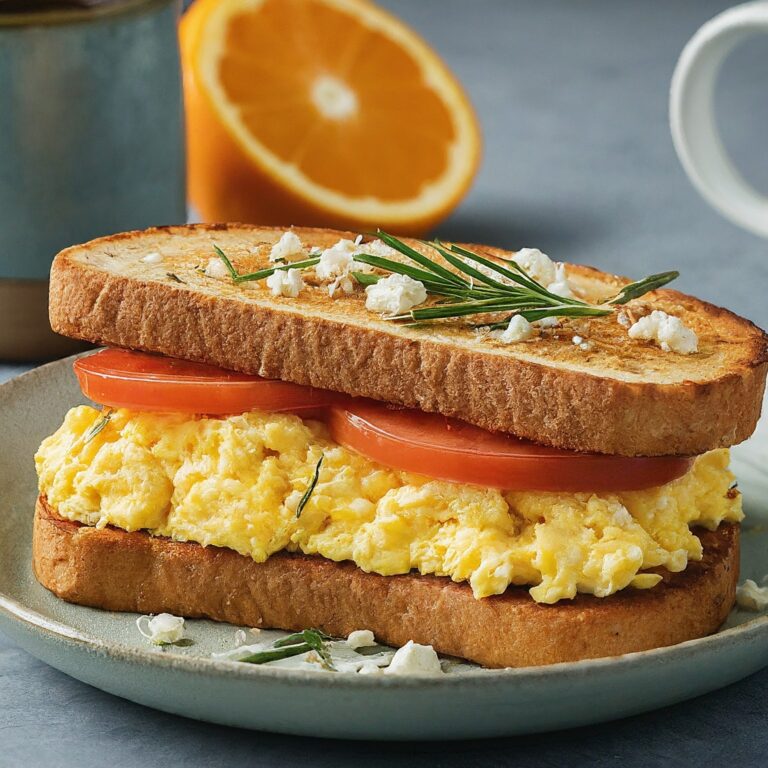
x: 321, y: 112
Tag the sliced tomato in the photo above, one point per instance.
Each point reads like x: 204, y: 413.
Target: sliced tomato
x: 141, y: 382
x: 405, y: 439
x: 449, y: 449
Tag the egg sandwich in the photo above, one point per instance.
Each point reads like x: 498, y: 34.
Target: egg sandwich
x: 514, y: 460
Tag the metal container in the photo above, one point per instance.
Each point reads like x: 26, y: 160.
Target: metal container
x: 91, y: 143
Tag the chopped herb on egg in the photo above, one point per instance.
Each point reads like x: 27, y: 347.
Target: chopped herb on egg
x: 310, y: 488
x: 106, y: 415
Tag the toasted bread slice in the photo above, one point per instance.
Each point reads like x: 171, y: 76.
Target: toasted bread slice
x: 621, y: 396
x: 118, y: 571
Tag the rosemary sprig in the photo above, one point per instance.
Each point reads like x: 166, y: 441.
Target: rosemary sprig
x: 469, y: 284
x: 310, y: 488
x: 98, y: 426
x: 472, y: 291
x: 315, y: 639
x: 262, y: 273
x: 640, y: 287
x: 498, y: 287
x: 295, y: 645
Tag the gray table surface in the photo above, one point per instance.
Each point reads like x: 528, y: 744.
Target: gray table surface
x: 579, y: 162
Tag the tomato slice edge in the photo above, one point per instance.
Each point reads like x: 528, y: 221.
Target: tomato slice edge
x: 375, y: 431
x: 139, y: 381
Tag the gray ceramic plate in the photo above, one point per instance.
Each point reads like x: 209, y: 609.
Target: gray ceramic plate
x: 105, y: 650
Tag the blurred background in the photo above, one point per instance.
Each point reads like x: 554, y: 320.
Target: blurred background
x: 571, y: 100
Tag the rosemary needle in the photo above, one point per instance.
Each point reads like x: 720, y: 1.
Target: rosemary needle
x: 275, y: 654
x: 310, y: 488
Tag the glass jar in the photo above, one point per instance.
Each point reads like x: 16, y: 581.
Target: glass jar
x: 91, y: 142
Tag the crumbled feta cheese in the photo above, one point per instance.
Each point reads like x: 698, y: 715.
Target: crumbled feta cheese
x: 543, y: 270
x: 216, y: 268
x: 519, y: 329
x: 751, y: 597
x: 395, y: 294
x: 622, y: 318
x: 343, y: 283
x: 287, y: 246
x: 546, y: 322
x: 667, y: 331
x: 161, y: 629
x: 337, y: 261
x: 152, y: 258
x: 537, y: 264
x: 414, y: 659
x: 361, y: 638
x: 377, y: 248
x: 286, y: 282
x: 560, y: 286
x: 578, y: 341
x: 240, y: 638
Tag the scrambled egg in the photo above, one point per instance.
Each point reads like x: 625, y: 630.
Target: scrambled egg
x: 236, y: 482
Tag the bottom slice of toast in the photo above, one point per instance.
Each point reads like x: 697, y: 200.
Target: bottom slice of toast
x: 116, y: 570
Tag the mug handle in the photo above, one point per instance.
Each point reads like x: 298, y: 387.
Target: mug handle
x: 692, y: 116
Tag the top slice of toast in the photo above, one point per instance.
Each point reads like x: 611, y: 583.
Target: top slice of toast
x: 618, y: 396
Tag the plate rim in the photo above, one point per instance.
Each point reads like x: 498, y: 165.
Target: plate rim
x: 32, y: 621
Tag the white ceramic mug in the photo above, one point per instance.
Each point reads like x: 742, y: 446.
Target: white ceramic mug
x: 692, y: 116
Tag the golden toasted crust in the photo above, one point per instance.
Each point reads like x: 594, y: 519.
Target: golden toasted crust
x: 621, y: 396
x: 118, y: 571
